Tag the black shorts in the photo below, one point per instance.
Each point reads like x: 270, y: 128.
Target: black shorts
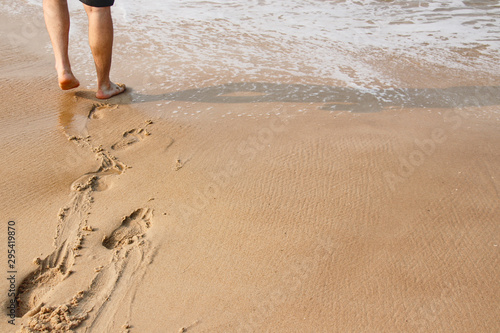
x: 98, y: 3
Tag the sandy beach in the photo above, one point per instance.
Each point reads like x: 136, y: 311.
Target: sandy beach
x: 243, y: 185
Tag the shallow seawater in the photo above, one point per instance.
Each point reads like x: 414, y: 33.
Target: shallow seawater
x: 171, y: 45
x: 313, y: 38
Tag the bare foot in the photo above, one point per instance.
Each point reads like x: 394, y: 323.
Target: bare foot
x: 110, y: 91
x: 67, y: 80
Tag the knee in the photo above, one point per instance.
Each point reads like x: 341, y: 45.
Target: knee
x: 97, y: 10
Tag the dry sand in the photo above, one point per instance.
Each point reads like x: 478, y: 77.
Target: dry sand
x: 305, y: 208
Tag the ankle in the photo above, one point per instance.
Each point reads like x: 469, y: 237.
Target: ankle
x: 63, y: 70
x: 104, y: 85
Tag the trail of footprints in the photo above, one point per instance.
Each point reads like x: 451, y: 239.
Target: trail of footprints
x: 127, y: 242
x: 94, y: 306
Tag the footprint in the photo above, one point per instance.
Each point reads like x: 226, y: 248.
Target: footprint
x: 130, y: 137
x: 98, y: 110
x: 41, y: 281
x: 136, y: 224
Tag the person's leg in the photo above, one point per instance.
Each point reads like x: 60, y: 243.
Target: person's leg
x: 56, y: 16
x: 101, y: 44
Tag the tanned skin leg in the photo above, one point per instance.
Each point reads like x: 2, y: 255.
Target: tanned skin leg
x: 56, y: 16
x: 101, y: 45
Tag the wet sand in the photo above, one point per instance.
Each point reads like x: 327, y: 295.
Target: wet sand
x: 237, y: 205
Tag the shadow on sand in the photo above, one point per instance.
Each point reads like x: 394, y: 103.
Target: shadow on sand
x: 333, y: 98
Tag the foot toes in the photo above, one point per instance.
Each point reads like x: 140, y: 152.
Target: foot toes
x: 116, y: 89
x: 121, y: 87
